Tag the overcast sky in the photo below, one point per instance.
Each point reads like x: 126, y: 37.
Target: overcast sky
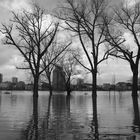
x: 9, y: 57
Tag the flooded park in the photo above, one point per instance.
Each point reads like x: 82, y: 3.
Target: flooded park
x: 76, y: 117
x: 87, y: 49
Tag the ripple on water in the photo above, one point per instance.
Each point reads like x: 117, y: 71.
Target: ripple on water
x: 74, y: 118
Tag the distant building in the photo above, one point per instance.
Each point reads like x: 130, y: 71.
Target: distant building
x: 45, y: 86
x: 86, y: 86
x: 6, y: 85
x: 106, y: 86
x: 80, y: 81
x: 1, y: 78
x: 80, y: 84
x: 14, y: 80
x: 123, y: 86
x: 58, y: 78
x: 29, y: 86
x: 20, y: 85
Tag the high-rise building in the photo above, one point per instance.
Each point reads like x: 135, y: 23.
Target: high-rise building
x: 80, y: 81
x: 1, y: 78
x: 58, y: 78
x: 14, y: 80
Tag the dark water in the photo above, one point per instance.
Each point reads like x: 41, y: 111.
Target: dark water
x: 116, y: 116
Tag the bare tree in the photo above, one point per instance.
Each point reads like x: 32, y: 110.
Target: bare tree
x: 126, y: 20
x: 84, y: 19
x: 69, y: 63
x: 27, y: 33
x: 50, y: 60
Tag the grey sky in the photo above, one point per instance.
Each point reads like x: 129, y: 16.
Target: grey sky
x: 9, y: 58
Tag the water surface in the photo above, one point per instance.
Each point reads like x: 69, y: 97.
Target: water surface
x: 58, y: 117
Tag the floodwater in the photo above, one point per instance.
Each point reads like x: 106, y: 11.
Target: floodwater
x: 58, y: 117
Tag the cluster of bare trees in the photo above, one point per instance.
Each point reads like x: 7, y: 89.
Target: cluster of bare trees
x: 126, y: 20
x: 36, y: 42
x: 84, y: 19
x: 91, y: 23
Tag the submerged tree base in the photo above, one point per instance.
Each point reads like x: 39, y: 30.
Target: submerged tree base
x: 35, y: 94
x: 134, y: 94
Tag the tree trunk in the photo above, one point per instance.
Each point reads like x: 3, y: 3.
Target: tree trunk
x: 68, y: 92
x: 135, y: 83
x: 68, y: 88
x: 48, y: 112
x: 35, y: 86
x: 94, y: 83
x: 50, y: 85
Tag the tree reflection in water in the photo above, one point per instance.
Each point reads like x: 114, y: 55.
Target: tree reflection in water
x: 45, y: 121
x: 31, y: 131
x: 37, y: 128
x: 68, y: 105
x: 75, y: 117
x: 94, y: 123
x: 58, y: 123
x: 136, y: 121
x: 46, y: 127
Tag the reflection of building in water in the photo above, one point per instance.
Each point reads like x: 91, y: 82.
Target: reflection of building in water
x: 58, y: 78
x: 1, y: 78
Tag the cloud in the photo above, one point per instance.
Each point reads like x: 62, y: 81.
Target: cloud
x: 9, y: 59
x: 10, y: 71
x: 49, y: 4
x: 114, y: 67
x: 1, y: 36
x: 8, y: 66
x: 130, y: 3
x: 47, y: 23
x: 6, y: 54
x: 9, y: 56
x: 15, y: 5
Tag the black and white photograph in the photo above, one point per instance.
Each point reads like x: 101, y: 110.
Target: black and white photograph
x: 69, y: 70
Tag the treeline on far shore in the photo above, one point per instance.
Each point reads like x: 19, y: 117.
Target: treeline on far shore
x: 120, y: 86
